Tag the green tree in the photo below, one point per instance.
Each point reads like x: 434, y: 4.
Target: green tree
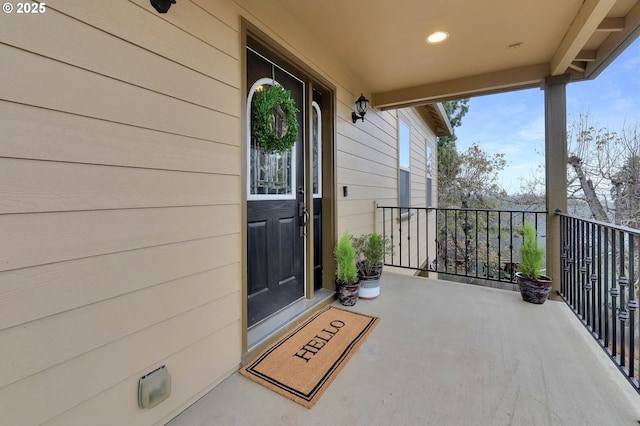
x: 456, y: 110
x: 466, y: 179
x: 476, y: 185
x: 448, y: 157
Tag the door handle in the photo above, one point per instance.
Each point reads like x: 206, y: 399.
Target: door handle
x: 303, y: 213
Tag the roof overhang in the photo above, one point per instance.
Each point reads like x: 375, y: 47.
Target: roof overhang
x: 494, y: 45
x: 436, y: 116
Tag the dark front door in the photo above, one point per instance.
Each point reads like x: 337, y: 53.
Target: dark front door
x: 275, y: 209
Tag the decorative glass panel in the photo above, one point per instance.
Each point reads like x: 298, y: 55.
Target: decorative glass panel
x: 271, y: 173
x: 316, y: 149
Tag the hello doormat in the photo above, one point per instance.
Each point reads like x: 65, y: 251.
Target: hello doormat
x: 303, y: 364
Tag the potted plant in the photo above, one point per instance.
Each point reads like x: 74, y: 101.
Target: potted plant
x: 370, y: 250
x: 347, y: 281
x: 534, y: 286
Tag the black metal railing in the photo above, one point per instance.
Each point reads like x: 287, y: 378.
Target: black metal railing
x: 599, y: 282
x: 408, y: 231
x: 470, y: 244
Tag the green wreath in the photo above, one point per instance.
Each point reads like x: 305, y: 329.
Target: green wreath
x: 267, y: 105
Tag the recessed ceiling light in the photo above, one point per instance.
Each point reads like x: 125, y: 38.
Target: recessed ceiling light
x: 437, y: 37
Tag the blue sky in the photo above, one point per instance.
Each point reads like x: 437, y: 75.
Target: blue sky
x: 513, y: 123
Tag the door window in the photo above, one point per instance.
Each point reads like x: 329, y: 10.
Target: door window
x: 272, y: 174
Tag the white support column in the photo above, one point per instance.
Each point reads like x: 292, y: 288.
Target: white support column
x: 555, y: 106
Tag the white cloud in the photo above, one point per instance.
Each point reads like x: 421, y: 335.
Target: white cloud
x: 513, y: 123
x: 533, y: 130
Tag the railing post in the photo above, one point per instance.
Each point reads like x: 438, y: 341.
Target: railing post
x: 428, y: 241
x: 488, y: 258
x: 391, y: 226
x: 598, y: 278
x: 623, y: 315
x: 633, y: 306
x: 409, y: 236
x: 605, y: 290
x: 477, y: 247
x: 615, y: 293
x: 565, y: 256
x: 418, y: 238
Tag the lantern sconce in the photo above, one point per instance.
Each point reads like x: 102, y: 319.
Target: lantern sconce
x: 162, y: 6
x: 361, y: 105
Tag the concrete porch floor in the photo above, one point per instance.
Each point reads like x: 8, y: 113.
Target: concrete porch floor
x: 449, y: 354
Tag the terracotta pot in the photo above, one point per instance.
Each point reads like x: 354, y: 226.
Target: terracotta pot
x: 534, y: 291
x: 347, y: 294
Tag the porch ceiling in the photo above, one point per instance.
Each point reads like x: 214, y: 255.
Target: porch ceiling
x: 494, y: 45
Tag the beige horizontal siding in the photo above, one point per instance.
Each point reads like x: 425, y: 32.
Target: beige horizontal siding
x: 371, y: 178
x: 202, y: 26
x: 55, y: 339
x: 191, y: 372
x: 223, y: 10
x: 41, y: 186
x: 32, y: 293
x: 350, y: 207
x: 347, y: 160
x: 82, y: 92
x: 70, y: 41
x: 368, y: 165
x: 357, y: 225
x: 369, y: 135
x: 369, y: 193
x: 39, y: 133
x: 147, y: 29
x: 120, y: 217
x: 36, y: 239
x: 125, y: 360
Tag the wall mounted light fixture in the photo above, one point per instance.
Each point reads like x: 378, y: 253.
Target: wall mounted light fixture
x: 362, y: 104
x: 162, y: 6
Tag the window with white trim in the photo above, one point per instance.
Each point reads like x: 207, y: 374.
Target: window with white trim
x: 429, y: 163
x: 272, y: 174
x: 404, y: 165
